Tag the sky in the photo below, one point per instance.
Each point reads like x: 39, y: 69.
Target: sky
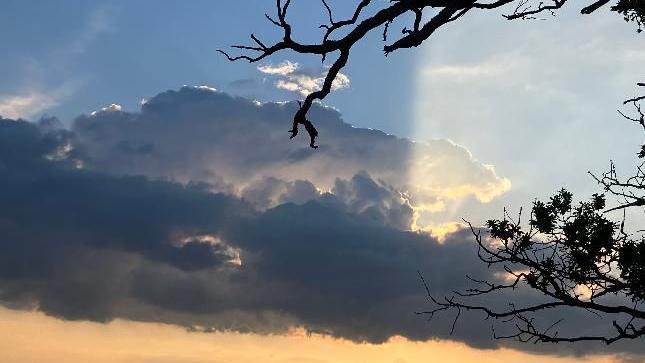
x: 154, y: 209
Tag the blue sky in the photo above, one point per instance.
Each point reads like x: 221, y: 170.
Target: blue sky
x: 96, y: 53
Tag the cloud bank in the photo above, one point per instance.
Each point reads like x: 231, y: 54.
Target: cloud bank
x: 197, y: 212
x: 79, y: 244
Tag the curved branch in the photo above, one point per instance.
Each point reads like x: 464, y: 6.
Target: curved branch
x: 358, y: 27
x: 301, y: 115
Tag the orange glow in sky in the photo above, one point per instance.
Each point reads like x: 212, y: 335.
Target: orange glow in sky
x: 30, y: 337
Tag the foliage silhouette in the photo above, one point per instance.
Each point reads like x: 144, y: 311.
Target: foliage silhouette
x: 575, y: 255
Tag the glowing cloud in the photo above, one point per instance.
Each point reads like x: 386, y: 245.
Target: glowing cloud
x: 25, y: 106
x: 294, y: 79
x: 282, y: 69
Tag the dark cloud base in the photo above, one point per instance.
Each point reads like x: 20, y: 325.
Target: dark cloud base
x: 83, y: 244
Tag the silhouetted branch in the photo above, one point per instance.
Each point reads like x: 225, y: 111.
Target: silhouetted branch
x: 441, y: 12
x: 593, y: 7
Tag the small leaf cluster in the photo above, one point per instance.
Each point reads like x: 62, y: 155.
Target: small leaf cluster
x: 567, y: 245
x: 632, y: 10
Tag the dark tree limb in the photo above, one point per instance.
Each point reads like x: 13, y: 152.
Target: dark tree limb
x: 359, y: 25
x: 593, y: 7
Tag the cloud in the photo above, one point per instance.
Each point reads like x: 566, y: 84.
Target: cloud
x: 25, y: 106
x: 287, y: 85
x: 195, y: 134
x: 111, y: 108
x: 306, y: 84
x: 79, y: 244
x: 361, y: 195
x: 197, y: 212
x: 98, y: 22
x: 271, y: 192
x: 304, y: 81
x: 375, y: 200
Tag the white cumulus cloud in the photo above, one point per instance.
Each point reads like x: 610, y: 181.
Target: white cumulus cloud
x: 292, y: 78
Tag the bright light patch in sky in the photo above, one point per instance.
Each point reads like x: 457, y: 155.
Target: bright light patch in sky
x: 33, y: 337
x: 25, y: 106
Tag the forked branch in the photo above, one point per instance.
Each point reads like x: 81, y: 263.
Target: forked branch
x: 356, y: 27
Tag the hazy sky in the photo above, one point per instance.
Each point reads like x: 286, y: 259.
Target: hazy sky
x: 167, y: 191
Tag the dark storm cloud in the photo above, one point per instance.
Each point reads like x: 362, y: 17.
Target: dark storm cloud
x: 375, y: 200
x: 360, y: 195
x: 53, y: 216
x: 269, y: 255
x: 83, y: 245
x: 270, y: 192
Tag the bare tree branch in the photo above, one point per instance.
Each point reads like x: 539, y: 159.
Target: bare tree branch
x: 358, y: 26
